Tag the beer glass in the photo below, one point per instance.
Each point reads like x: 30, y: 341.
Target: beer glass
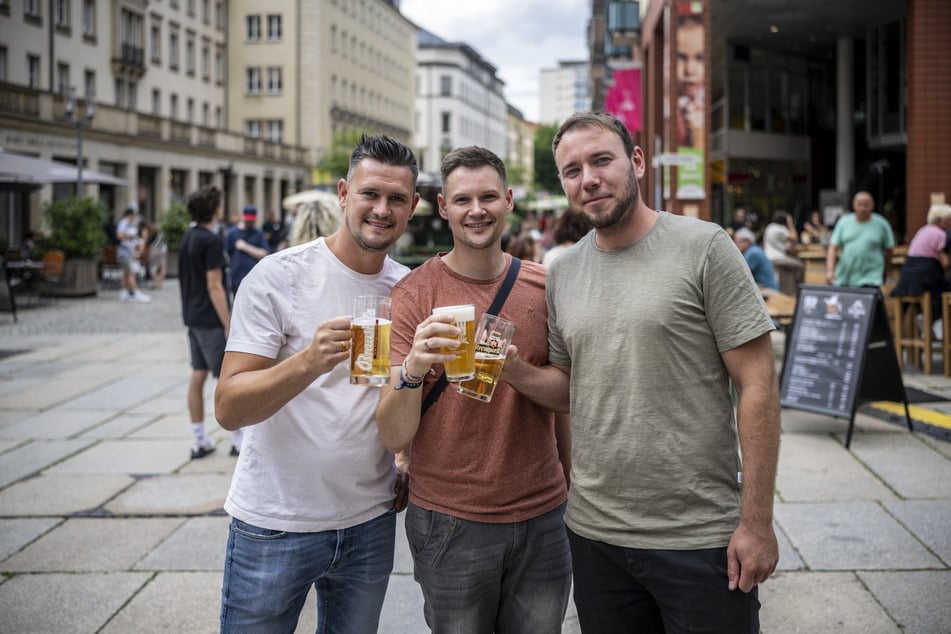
x: 492, y: 338
x: 463, y: 366
x: 370, y: 344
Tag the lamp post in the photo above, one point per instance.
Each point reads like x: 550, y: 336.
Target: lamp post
x: 80, y: 122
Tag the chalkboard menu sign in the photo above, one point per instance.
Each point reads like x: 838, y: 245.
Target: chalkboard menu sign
x: 836, y: 334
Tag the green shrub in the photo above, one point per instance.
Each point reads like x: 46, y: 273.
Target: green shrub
x: 76, y: 227
x: 174, y: 223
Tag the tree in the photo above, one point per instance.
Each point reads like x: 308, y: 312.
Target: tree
x: 546, y: 174
x: 337, y: 160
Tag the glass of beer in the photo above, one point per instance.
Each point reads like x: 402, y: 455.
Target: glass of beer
x: 492, y: 338
x: 370, y: 340
x: 463, y: 366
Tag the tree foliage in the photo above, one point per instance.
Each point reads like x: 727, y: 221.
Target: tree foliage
x: 546, y: 174
x: 337, y: 160
x: 174, y: 223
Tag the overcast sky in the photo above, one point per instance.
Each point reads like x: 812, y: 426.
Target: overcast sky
x: 518, y: 37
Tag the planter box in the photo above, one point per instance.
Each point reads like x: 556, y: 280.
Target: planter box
x: 80, y: 278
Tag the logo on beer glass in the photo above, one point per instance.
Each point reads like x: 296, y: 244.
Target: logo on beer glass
x: 370, y: 328
x: 365, y: 358
x: 492, y: 338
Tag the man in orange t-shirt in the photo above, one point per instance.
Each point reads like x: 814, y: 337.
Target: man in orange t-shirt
x: 488, y: 489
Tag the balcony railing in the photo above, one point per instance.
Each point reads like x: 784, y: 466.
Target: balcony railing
x: 19, y: 100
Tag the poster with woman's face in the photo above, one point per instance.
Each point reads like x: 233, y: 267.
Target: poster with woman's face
x: 691, y: 63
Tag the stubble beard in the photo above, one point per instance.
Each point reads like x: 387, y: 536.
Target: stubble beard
x: 379, y: 246
x: 625, y: 206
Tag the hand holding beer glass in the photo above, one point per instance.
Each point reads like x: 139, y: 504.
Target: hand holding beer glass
x: 492, y: 338
x: 463, y: 366
x: 370, y: 353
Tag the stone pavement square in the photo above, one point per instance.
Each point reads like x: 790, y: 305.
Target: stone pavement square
x: 851, y: 536
x: 176, y: 494
x: 930, y: 521
x: 61, y: 494
x: 919, y: 601
x: 52, y: 424
x: 118, y: 426
x: 34, y: 456
x: 128, y: 456
x: 92, y: 545
x: 172, y: 602
x: 198, y: 544
x: 818, y: 467
x: 900, y: 459
x: 73, y: 602
x: 17, y: 533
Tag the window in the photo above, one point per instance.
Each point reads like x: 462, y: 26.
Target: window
x: 33, y: 71
x: 445, y: 86
x: 190, y: 110
x: 252, y: 128
x: 219, y: 118
x: 156, y: 48
x: 89, y: 18
x: 132, y: 37
x: 274, y: 27
x: 120, y: 92
x: 3, y: 63
x: 219, y: 16
x: 156, y: 101
x: 205, y: 114
x: 190, y: 8
x: 61, y: 13
x: 446, y: 122
x: 253, y: 28
x: 206, y: 11
x: 89, y: 83
x: 219, y: 66
x: 173, y: 107
x: 131, y: 89
x: 31, y: 8
x: 205, y: 62
x: 253, y: 81
x: 62, y: 79
x: 190, y: 55
x: 333, y: 38
x: 173, y: 50
x: 275, y: 130
x: 274, y: 80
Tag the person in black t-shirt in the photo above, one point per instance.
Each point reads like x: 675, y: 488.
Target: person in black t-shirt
x: 205, y: 307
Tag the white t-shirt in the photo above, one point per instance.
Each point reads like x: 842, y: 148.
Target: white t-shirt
x: 774, y: 240
x: 317, y: 464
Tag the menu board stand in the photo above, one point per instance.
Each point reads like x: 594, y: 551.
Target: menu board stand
x: 839, y: 354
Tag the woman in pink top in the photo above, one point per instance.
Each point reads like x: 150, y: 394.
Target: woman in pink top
x: 928, y: 259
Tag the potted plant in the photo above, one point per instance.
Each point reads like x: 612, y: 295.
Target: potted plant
x: 173, y: 223
x: 75, y: 227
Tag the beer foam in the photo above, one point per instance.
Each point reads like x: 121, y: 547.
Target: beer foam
x: 369, y: 321
x: 465, y: 312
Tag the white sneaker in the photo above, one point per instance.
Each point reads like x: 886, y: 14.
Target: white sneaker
x: 125, y: 296
x: 141, y: 297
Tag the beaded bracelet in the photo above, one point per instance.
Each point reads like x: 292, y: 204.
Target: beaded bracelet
x: 408, y: 380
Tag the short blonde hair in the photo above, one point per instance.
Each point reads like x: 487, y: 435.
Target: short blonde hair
x: 314, y: 219
x: 938, y: 212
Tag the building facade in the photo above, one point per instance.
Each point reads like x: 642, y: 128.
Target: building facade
x: 459, y: 101
x: 563, y: 91
x: 801, y: 108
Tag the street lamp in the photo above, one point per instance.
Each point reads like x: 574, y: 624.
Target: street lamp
x: 80, y: 122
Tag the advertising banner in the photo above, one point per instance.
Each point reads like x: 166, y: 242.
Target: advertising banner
x: 624, y: 98
x: 690, y: 132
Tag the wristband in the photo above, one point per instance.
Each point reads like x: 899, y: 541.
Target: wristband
x: 408, y: 380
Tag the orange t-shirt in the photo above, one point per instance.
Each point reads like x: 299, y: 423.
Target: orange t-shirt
x: 485, y: 462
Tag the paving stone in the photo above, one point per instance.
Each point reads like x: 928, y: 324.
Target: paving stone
x: 918, y: 601
x: 820, y: 602
x: 6, y: 445
x: 198, y: 544
x: 121, y: 394
x: 34, y: 456
x: 128, y: 456
x: 851, y: 536
x: 173, y: 602
x: 61, y: 494
x: 17, y: 533
x: 941, y: 446
x: 177, y: 494
x: 817, y: 467
x: 78, y: 602
x: 219, y: 461
x: 930, y: 521
x: 92, y: 545
x: 789, y: 559
x: 402, y: 607
x: 65, y: 386
x: 900, y: 459
x: 119, y: 427
x: 53, y: 424
x: 174, y: 426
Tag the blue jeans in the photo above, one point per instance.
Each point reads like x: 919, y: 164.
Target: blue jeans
x: 482, y: 578
x: 268, y: 574
x: 620, y: 590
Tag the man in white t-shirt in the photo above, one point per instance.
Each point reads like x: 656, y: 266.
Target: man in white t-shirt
x: 127, y: 231
x: 312, y: 493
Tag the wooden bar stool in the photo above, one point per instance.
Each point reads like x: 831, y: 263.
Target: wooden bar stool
x: 918, y: 342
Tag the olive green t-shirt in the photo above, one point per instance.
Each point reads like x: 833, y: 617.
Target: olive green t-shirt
x: 654, y: 444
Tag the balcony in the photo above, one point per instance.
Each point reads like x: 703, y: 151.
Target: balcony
x: 19, y: 100
x: 129, y: 61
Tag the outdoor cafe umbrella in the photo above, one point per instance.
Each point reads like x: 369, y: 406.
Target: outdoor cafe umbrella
x: 17, y: 170
x: 423, y: 208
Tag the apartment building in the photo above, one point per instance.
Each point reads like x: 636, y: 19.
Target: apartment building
x: 304, y: 72
x: 459, y: 101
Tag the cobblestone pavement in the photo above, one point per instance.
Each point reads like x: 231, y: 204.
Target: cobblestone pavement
x: 98, y: 314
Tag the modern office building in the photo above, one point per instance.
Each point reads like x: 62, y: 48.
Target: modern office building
x: 563, y: 91
x: 802, y: 104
